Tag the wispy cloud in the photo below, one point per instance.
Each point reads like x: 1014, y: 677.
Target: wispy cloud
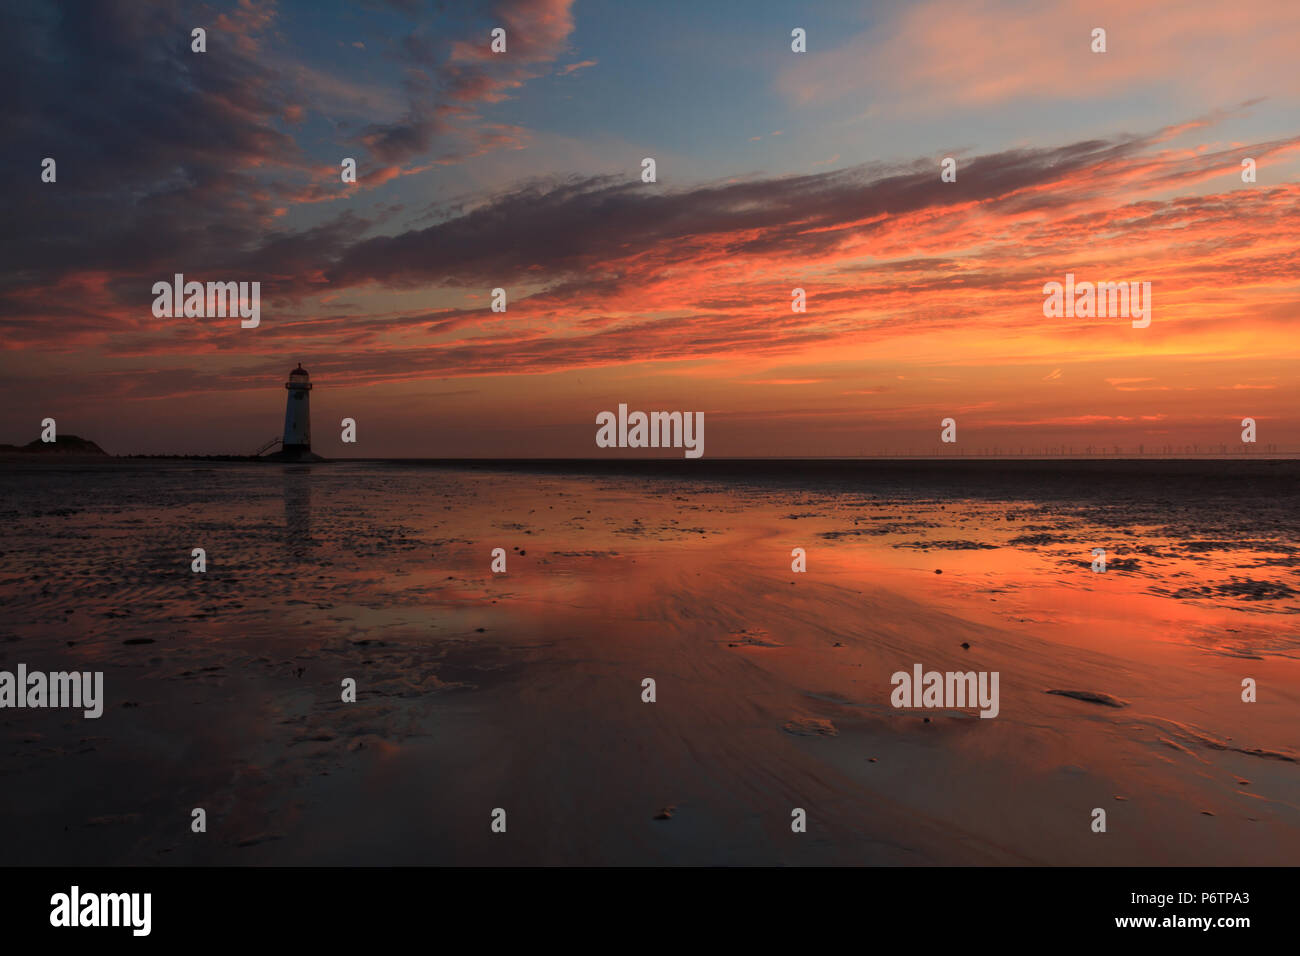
x: 937, y: 55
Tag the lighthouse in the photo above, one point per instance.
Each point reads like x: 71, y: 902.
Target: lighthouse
x: 297, y: 414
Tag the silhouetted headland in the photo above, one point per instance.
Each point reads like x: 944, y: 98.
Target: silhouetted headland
x: 63, y: 445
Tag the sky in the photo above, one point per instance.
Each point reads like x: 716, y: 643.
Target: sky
x: 775, y: 170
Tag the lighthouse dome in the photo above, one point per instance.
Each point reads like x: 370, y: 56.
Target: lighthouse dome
x: 298, y: 371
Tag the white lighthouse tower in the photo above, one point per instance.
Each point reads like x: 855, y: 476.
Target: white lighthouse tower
x: 297, y: 414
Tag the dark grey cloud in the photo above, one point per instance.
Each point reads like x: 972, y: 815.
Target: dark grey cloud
x: 586, y: 226
x: 155, y: 144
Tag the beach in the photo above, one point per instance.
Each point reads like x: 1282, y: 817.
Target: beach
x: 523, y: 691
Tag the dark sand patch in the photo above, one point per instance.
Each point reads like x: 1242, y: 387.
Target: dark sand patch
x: 949, y: 545
x: 1092, y: 697
x: 810, y: 727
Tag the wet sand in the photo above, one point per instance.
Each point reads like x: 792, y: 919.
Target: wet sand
x: 523, y: 691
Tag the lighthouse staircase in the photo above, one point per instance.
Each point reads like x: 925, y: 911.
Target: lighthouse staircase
x: 268, y: 446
